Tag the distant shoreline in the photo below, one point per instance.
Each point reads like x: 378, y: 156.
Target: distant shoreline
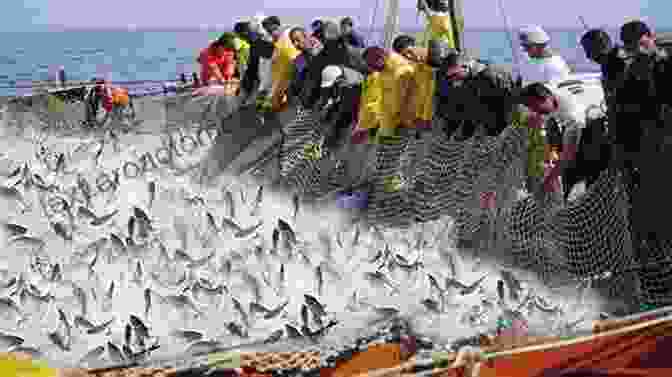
x: 215, y: 29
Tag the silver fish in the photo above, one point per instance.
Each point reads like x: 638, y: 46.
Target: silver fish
x: 248, y: 231
x: 513, y: 285
x: 128, y: 333
x: 100, y: 328
x: 66, y: 325
x: 85, y: 188
x: 148, y: 301
x: 13, y: 194
x: 98, y: 221
x: 138, y: 273
x: 151, y: 188
x: 258, y: 308
x: 272, y: 313
x: 93, y: 355
x: 229, y: 224
x: 81, y: 321
x: 118, y: 243
x: 61, y: 230
x: 139, y: 326
x: 284, y: 227
x: 9, y: 310
x: 465, y: 289
x: 275, y: 336
x: 431, y: 305
x: 379, y: 279
x: 315, y: 306
x: 236, y: 330
x: 203, y: 347
x: 141, y: 215
x: 8, y: 341
x: 187, y: 335
x: 58, y: 341
x: 80, y: 294
x: 211, y: 222
x: 127, y: 351
x: 116, y: 356
x: 256, y: 205
x: 292, y: 332
x: 501, y: 290
x: 319, y: 278
x: 230, y: 205
x: 296, y: 204
x: 254, y: 285
x: 275, y: 237
x: 239, y: 308
x: 14, y: 230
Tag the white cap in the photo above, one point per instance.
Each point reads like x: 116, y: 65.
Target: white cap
x: 533, y: 34
x: 330, y: 74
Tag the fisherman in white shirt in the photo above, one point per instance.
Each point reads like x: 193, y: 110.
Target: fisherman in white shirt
x: 540, y: 63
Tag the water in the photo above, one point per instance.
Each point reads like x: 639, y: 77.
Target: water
x: 163, y: 55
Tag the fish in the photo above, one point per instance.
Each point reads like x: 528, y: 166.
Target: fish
x: 320, y: 279
x: 229, y: 224
x: 230, y: 205
x: 58, y: 341
x: 139, y: 326
x: 147, y: 294
x: 116, y: 356
x: 81, y: 321
x: 127, y: 351
x: 500, y: 290
x: 211, y: 222
x: 258, y: 308
x: 305, y: 329
x: 465, y: 289
x: 86, y: 213
x: 14, y: 230
x: 203, y: 347
x: 85, y: 188
x: 239, y: 308
x: 386, y: 312
x: 141, y: 215
x: 61, y: 230
x: 151, y: 188
x: 431, y: 305
x: 296, y: 205
x: 513, y: 285
x: 56, y: 273
x: 315, y: 306
x: 33, y: 352
x: 118, y: 243
x: 187, y: 335
x: 100, y: 328
x: 8, y: 341
x: 138, y: 273
x: 13, y: 194
x: 236, y: 330
x: 66, y: 325
x: 275, y: 237
x: 275, y: 336
x: 109, y: 295
x: 254, y: 285
x: 93, y: 355
x: 248, y: 231
x: 292, y: 332
x: 256, y: 205
x: 98, y: 221
x: 381, y: 255
x: 275, y: 312
x: 379, y: 279
x: 128, y: 333
x: 284, y: 227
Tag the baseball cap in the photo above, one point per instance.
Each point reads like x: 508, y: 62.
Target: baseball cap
x: 330, y: 74
x: 533, y: 35
x: 632, y: 31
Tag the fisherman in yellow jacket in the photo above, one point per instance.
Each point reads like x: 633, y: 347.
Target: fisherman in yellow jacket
x: 395, y: 77
x: 421, y: 91
x: 282, y: 70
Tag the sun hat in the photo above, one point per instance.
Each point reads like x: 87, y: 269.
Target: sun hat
x: 330, y: 74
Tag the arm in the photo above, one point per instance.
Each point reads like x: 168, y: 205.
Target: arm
x: 406, y: 98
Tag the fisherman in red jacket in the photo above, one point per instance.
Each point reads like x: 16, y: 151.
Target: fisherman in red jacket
x: 218, y: 61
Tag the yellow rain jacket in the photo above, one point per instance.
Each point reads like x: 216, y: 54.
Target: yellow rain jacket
x: 421, y: 94
x: 242, y: 52
x: 370, y: 112
x: 396, y: 80
x: 440, y: 27
x: 284, y: 55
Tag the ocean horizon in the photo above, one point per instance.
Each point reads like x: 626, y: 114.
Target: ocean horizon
x: 123, y: 55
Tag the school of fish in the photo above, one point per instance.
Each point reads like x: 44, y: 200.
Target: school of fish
x: 164, y: 265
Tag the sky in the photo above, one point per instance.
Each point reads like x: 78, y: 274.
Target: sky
x: 26, y: 15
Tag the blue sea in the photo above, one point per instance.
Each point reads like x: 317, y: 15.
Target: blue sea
x: 123, y: 56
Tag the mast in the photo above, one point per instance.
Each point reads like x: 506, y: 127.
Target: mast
x: 391, y: 28
x: 457, y: 20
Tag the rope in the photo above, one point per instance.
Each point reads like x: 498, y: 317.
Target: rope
x: 75, y: 84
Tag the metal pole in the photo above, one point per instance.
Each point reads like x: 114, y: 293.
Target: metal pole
x: 509, y: 30
x: 391, y: 22
x: 457, y: 20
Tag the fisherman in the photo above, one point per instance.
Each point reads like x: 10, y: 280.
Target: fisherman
x: 544, y: 171
x: 441, y: 26
x: 218, y: 61
x: 255, y: 84
x: 473, y: 97
x: 308, y: 50
x: 422, y: 89
x: 334, y: 52
x: 541, y: 63
x: 396, y: 78
x: 282, y: 69
x: 242, y: 41
x: 642, y: 106
x: 340, y: 89
x: 352, y: 37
